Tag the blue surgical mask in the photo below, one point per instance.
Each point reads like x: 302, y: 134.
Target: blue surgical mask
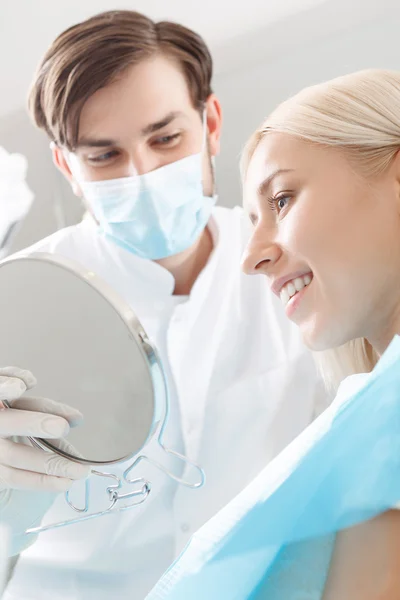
x: 154, y: 215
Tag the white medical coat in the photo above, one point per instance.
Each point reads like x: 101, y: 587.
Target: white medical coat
x: 242, y: 387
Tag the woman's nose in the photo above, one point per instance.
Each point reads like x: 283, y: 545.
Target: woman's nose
x: 260, y: 254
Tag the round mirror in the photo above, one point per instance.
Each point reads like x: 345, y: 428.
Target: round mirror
x: 87, y: 349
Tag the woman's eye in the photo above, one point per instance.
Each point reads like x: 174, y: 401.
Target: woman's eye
x: 278, y: 203
x: 282, y: 202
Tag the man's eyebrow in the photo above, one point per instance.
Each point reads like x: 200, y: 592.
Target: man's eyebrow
x: 153, y: 127
x: 91, y: 142
x: 95, y: 143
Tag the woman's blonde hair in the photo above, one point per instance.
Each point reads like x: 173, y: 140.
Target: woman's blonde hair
x: 358, y: 114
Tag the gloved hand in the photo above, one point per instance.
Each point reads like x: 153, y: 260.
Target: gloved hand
x: 30, y: 478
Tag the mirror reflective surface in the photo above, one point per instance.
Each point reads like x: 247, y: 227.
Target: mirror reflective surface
x: 85, y: 348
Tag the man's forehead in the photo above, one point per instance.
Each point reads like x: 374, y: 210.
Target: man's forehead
x: 148, y: 80
x: 141, y: 97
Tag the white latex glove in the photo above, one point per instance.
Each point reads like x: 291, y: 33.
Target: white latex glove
x: 30, y: 478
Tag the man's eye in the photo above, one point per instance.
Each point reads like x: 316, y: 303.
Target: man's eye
x: 103, y: 157
x: 167, y: 139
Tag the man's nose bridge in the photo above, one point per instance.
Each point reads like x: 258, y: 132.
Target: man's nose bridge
x: 137, y: 161
x: 140, y: 158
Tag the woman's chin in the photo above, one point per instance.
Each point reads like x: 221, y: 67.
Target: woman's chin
x: 321, y: 339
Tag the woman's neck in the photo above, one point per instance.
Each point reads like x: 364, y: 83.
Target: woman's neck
x: 386, y: 332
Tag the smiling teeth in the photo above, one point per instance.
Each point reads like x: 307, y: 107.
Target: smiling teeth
x: 294, y: 286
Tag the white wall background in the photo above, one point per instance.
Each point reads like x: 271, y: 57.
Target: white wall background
x: 250, y: 93
x: 255, y: 70
x: 54, y: 205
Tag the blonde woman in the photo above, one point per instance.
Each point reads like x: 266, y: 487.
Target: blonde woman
x: 322, y: 189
